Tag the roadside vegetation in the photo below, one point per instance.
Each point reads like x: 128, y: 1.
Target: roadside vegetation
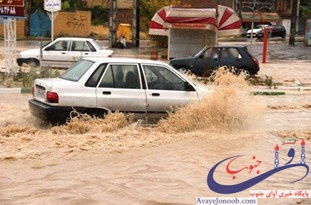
x: 25, y: 78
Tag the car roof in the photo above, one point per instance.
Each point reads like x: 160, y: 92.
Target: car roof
x: 73, y: 38
x: 124, y: 60
x: 229, y: 46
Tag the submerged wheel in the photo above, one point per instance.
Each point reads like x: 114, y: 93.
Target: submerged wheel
x: 33, y: 62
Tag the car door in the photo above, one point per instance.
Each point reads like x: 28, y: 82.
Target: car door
x: 77, y: 50
x: 81, y: 49
x: 277, y: 32
x: 56, y: 53
x: 165, y: 90
x: 207, y: 61
x: 120, y: 88
x: 230, y: 57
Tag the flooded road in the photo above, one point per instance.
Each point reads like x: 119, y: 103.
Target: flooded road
x: 111, y: 161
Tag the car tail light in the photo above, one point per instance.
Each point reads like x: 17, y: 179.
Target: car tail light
x: 52, y: 97
x: 255, y: 60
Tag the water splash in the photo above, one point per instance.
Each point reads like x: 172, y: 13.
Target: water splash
x: 229, y: 107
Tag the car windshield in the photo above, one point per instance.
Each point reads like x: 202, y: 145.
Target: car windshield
x: 98, y: 47
x: 77, y: 70
x: 261, y: 26
x: 201, y: 51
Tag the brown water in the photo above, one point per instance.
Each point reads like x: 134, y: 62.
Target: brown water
x: 114, y: 161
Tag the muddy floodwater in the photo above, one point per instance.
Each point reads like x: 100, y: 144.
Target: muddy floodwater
x: 117, y: 161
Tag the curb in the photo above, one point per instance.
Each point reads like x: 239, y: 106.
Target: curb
x: 15, y: 90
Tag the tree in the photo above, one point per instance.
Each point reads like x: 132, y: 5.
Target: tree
x: 305, y: 11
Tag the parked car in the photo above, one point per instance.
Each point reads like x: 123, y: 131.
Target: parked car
x: 97, y: 85
x: 256, y: 29
x: 62, y: 52
x: 210, y: 58
x: 273, y: 31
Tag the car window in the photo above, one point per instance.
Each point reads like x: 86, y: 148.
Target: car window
x: 161, y: 78
x: 58, y: 46
x: 230, y: 53
x: 211, y: 52
x: 77, y: 70
x: 207, y: 53
x: 79, y: 46
x: 214, y: 53
x: 91, y: 47
x: 96, y: 45
x: 121, y: 76
x: 94, y: 78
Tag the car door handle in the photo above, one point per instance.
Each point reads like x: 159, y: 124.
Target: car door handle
x: 86, y: 53
x: 63, y: 52
x: 155, y: 94
x: 106, y: 93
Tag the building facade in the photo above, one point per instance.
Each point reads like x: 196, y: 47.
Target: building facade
x: 257, y: 11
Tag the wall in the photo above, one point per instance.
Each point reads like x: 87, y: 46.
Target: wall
x: 121, y: 4
x: 286, y: 23
x: 187, y: 42
x: 205, y: 3
x: 20, y: 29
x: 124, y: 16
x: 76, y: 23
x: 92, y: 3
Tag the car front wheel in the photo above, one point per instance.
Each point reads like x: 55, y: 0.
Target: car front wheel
x: 33, y: 62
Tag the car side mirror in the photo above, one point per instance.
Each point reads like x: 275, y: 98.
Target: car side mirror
x: 188, y: 87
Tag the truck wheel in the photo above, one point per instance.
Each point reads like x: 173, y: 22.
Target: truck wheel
x: 33, y: 62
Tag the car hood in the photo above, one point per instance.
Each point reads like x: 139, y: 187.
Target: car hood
x: 175, y: 61
x: 203, y: 91
x: 30, y: 52
x: 106, y: 51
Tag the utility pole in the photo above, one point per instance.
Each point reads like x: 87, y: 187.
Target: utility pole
x: 113, y: 23
x: 253, y: 19
x: 135, y: 24
x: 293, y: 23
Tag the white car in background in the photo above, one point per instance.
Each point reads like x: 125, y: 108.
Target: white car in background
x: 256, y: 30
x: 62, y: 52
x: 95, y: 86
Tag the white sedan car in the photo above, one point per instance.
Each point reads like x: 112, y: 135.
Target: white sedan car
x: 96, y: 86
x: 62, y: 52
x: 256, y: 30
